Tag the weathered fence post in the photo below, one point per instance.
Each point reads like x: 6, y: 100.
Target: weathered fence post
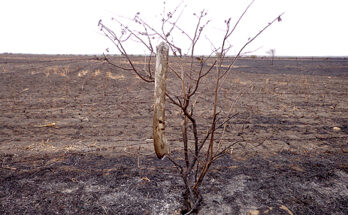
x: 159, y: 138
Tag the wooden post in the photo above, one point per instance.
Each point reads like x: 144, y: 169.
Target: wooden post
x: 159, y: 138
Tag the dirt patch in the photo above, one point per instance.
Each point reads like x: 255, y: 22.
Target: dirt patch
x: 75, y: 138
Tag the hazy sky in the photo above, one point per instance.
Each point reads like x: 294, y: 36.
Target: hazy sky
x: 309, y: 27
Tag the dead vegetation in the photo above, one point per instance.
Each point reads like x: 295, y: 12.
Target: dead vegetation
x: 207, y: 146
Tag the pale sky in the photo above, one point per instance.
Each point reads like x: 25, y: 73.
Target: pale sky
x: 309, y: 27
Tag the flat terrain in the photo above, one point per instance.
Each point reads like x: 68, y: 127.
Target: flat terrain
x: 76, y: 138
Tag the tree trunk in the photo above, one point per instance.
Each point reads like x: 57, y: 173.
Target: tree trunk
x: 160, y: 140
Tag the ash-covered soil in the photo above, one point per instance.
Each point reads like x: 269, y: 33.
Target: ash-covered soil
x: 88, y: 183
x: 76, y: 138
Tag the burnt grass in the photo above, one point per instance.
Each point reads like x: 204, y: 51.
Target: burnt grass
x: 97, y: 156
x: 88, y: 183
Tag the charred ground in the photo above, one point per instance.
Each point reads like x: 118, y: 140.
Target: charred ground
x: 75, y: 137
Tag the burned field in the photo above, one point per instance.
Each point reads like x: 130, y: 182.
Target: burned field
x: 76, y: 138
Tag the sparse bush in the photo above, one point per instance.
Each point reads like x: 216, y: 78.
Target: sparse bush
x: 207, y: 147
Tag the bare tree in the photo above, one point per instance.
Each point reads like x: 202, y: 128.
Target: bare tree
x: 205, y: 148
x: 271, y: 52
